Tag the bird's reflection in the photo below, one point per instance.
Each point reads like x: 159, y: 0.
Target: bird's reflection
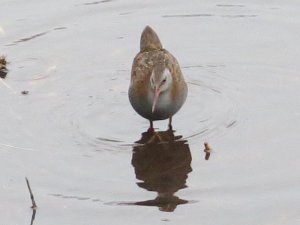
x: 162, y: 162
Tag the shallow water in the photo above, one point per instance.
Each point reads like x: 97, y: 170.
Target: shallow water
x: 74, y: 134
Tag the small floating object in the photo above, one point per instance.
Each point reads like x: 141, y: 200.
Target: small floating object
x: 207, y: 150
x: 24, y: 92
x: 3, y: 69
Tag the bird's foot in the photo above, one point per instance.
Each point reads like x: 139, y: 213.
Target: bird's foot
x: 151, y: 130
x: 170, y: 124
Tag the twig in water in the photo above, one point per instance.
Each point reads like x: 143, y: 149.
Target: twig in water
x: 34, y: 206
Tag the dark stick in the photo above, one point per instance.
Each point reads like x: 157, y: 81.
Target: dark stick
x: 34, y: 206
x: 33, y: 216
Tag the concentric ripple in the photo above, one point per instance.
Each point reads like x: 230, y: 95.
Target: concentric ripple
x: 111, y: 124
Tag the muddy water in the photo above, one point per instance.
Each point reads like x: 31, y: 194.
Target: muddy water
x: 85, y: 150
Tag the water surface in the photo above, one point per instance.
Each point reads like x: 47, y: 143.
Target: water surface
x: 86, y: 152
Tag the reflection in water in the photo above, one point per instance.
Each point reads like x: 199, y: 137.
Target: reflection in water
x: 80, y: 198
x: 33, y: 216
x: 162, y: 162
x: 35, y: 36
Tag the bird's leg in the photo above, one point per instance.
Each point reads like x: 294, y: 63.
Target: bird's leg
x: 151, y: 129
x: 170, y: 123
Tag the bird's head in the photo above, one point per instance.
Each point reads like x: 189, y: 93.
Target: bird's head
x: 160, y: 81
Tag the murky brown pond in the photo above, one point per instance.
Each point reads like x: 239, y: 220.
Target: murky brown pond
x: 86, y: 152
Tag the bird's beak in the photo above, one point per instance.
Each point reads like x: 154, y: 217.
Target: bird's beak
x: 156, y: 96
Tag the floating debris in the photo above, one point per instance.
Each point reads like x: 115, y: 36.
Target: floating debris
x: 3, y: 69
x: 24, y: 92
x: 207, y: 150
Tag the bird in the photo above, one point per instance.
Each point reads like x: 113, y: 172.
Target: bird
x: 157, y: 87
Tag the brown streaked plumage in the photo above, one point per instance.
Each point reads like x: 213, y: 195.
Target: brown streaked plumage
x: 157, y: 88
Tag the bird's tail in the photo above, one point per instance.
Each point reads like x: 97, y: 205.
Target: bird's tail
x: 150, y: 40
